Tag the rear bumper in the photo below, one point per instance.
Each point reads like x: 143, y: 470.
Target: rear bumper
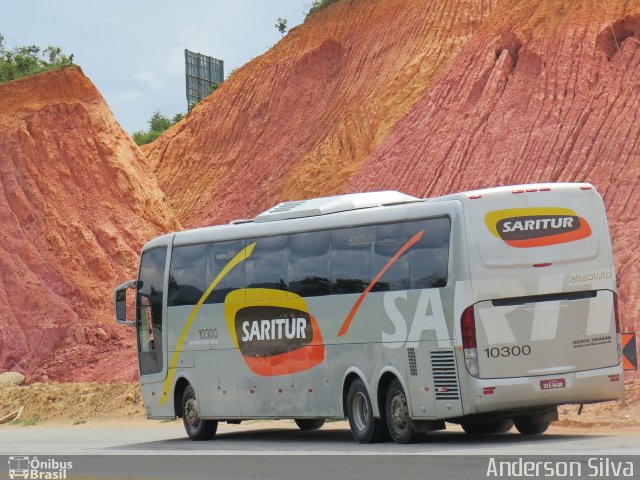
x: 523, y: 392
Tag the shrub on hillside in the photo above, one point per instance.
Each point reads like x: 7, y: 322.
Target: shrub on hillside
x: 319, y: 5
x: 25, y: 61
x: 158, y: 123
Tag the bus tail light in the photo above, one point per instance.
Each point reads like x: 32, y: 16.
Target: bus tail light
x: 469, y: 343
x: 468, y: 327
x: 616, y: 316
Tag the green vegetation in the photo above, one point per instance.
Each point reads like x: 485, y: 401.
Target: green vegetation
x: 281, y: 25
x: 319, y: 5
x: 158, y: 123
x: 27, y: 422
x: 21, y: 62
x: 80, y: 421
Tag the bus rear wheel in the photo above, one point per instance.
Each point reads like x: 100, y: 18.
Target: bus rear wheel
x: 397, y: 414
x: 487, y: 427
x: 531, y: 425
x: 365, y: 428
x: 309, y: 423
x: 196, y: 427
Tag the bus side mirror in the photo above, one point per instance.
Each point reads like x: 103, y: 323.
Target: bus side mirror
x: 120, y: 302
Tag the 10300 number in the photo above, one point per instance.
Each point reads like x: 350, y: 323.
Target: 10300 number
x: 207, y: 333
x: 515, y: 351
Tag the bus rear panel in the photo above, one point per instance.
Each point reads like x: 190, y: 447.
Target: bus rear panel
x: 541, y: 327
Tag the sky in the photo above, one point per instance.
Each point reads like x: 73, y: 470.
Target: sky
x: 133, y: 50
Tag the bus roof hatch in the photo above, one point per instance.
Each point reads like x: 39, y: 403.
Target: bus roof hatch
x: 335, y: 204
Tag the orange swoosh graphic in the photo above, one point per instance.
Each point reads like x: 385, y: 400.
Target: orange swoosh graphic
x: 356, y: 306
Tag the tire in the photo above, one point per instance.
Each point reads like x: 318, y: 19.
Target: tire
x: 397, y: 415
x: 197, y: 428
x: 305, y: 424
x: 365, y: 428
x: 531, y: 425
x: 487, y: 427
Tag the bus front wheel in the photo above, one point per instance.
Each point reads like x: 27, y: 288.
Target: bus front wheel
x: 365, y: 428
x: 309, y: 423
x: 531, y: 425
x: 196, y: 427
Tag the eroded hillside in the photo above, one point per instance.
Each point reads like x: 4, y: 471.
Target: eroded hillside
x: 300, y: 119
x: 542, y: 93
x: 76, y: 204
x: 418, y: 96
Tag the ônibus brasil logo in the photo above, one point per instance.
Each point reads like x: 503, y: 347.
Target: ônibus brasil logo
x: 537, y: 227
x: 41, y: 469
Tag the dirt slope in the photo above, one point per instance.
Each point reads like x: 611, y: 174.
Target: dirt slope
x: 76, y: 203
x: 300, y: 119
x: 540, y: 94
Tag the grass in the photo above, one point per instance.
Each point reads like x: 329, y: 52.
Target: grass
x: 27, y: 422
x: 80, y: 421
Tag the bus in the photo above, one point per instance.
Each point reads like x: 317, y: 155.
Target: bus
x: 487, y: 308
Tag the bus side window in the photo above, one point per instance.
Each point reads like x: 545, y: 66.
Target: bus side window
x: 390, y: 238
x: 350, y: 258
x: 218, y: 256
x: 429, y: 257
x: 266, y: 267
x: 309, y: 263
x: 186, y: 276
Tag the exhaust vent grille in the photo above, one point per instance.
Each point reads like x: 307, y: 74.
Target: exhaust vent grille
x: 413, y: 366
x: 445, y: 377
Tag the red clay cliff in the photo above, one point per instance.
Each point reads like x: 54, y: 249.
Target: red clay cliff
x: 419, y: 96
x: 76, y: 204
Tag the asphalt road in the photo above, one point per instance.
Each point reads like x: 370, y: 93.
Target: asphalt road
x: 283, y: 437
x: 279, y: 450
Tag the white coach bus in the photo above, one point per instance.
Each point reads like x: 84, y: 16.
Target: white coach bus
x: 486, y: 308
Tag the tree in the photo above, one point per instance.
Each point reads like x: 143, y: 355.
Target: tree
x: 281, y: 25
x: 28, y: 60
x: 158, y: 123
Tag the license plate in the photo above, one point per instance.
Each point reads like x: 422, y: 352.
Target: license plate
x: 553, y: 383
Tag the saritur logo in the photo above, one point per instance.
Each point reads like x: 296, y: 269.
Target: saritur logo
x: 273, y: 330
x: 537, y: 227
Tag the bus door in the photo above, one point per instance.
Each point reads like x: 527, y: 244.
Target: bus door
x: 150, y: 325
x: 149, y: 311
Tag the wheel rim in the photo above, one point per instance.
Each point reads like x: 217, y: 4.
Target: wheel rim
x: 398, y: 412
x: 361, y: 412
x: 191, y: 414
